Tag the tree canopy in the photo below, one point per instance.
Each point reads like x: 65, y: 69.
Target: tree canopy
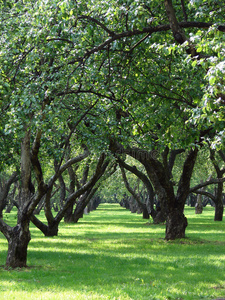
x: 114, y: 78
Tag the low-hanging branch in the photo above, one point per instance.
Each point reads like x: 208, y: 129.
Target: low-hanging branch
x: 207, y: 194
x: 207, y: 182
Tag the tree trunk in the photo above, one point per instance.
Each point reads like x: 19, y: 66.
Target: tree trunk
x: 218, y: 211
x: 79, y: 210
x: 19, y: 236
x: 198, y: 205
x: 18, y: 240
x: 145, y: 212
x: 159, y: 174
x: 52, y: 229
x: 159, y: 217
x: 176, y: 224
x: 39, y: 207
x: 219, y: 202
x: 68, y: 217
x: 48, y: 230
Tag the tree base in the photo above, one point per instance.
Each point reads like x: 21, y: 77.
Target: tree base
x: 198, y: 209
x: 17, y: 248
x: 52, y: 231
x: 159, y: 218
x: 176, y: 224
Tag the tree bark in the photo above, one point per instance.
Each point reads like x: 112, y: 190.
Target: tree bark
x: 19, y: 236
x: 18, y: 241
x: 218, y: 211
x: 68, y: 217
x: 145, y: 212
x: 79, y: 210
x: 219, y: 191
x: 82, y: 204
x: 176, y: 224
x: 48, y: 230
x: 198, y: 205
x: 5, y: 190
x: 219, y: 203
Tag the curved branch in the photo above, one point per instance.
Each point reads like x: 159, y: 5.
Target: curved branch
x: 184, y: 10
x: 213, y: 160
x: 207, y: 182
x: 13, y: 178
x: 128, y: 187
x: 67, y: 164
x: 139, y: 174
x: 5, y: 229
x: 35, y: 161
x: 209, y: 195
x: 111, y: 33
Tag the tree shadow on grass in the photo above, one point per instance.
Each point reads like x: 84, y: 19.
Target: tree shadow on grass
x: 127, y: 270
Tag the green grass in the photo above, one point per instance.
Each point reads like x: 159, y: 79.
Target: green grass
x: 113, y: 254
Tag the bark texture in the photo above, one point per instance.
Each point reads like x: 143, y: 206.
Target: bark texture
x: 18, y: 241
x: 219, y: 208
x: 176, y: 224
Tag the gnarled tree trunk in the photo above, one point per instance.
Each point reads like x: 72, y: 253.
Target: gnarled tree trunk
x: 18, y: 240
x: 176, y: 224
x: 19, y: 236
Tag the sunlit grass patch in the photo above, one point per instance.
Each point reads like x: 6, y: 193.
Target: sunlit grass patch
x: 113, y: 254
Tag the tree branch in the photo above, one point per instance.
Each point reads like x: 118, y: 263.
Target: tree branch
x: 139, y: 174
x: 5, y: 229
x: 100, y: 169
x: 128, y: 187
x: 207, y: 182
x: 209, y: 195
x: 148, y: 30
x: 184, y: 10
x: 111, y: 33
x: 70, y: 162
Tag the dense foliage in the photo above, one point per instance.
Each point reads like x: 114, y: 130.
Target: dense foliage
x: 99, y: 79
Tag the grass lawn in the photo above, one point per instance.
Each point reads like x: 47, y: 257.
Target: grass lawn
x: 114, y: 254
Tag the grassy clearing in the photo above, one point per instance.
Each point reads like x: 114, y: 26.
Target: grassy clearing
x: 113, y: 254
